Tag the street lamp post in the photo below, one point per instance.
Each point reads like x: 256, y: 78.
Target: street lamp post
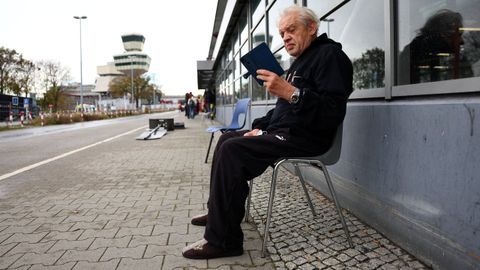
x: 80, y: 18
x: 131, y: 75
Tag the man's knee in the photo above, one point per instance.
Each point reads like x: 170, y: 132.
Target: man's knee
x: 227, y: 136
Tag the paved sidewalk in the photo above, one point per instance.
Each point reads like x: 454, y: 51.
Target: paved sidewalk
x: 127, y: 204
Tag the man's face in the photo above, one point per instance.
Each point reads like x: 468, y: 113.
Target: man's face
x: 296, y: 36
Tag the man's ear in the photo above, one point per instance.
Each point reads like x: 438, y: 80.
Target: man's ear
x: 311, y: 28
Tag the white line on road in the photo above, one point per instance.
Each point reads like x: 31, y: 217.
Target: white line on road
x: 24, y: 169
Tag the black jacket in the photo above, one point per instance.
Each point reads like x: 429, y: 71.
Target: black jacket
x: 323, y: 73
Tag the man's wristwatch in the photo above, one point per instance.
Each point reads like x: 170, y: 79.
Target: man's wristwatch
x: 295, y: 96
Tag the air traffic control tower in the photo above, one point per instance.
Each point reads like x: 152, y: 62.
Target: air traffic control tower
x: 133, y: 60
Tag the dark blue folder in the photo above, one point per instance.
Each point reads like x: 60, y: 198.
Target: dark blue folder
x: 260, y: 57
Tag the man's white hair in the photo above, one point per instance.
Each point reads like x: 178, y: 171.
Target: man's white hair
x: 305, y: 15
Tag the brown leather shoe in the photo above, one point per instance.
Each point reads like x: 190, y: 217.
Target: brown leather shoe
x: 201, y: 250
x: 200, y: 220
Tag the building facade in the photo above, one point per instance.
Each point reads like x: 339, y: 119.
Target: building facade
x: 411, y: 143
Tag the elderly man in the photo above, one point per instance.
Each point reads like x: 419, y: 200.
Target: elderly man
x: 311, y: 104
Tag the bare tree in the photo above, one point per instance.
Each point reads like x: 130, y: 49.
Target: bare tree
x: 55, y: 76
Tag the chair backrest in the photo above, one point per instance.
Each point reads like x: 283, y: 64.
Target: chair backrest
x: 240, y: 108
x: 333, y: 154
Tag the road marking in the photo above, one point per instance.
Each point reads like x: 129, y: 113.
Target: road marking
x: 27, y: 168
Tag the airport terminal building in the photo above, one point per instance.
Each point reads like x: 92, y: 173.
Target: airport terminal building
x: 411, y: 144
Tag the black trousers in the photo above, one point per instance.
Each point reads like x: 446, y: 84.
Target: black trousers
x: 236, y: 160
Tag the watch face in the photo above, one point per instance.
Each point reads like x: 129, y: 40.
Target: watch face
x: 294, y: 98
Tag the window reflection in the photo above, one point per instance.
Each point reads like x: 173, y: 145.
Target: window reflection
x: 438, y: 41
x: 257, y: 8
x: 258, y: 36
x: 244, y: 82
x: 359, y: 26
x: 243, y: 26
x: 275, y: 41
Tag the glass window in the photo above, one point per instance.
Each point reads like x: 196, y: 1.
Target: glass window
x: 437, y: 40
x: 236, y: 63
x: 323, y: 6
x: 258, y: 9
x: 237, y: 90
x: 228, y: 55
x: 244, y: 82
x: 274, y: 39
x: 243, y: 88
x: 258, y: 36
x: 243, y: 26
x: 359, y: 26
x: 229, y: 85
x: 235, y: 42
x: 220, y: 94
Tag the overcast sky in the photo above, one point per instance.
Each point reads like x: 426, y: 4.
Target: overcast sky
x: 177, y: 34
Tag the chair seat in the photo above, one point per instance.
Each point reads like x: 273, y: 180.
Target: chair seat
x: 222, y: 128
x: 215, y: 128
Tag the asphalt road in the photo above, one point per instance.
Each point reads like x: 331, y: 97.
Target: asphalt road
x: 21, y: 149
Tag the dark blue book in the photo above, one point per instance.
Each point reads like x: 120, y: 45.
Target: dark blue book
x: 260, y: 57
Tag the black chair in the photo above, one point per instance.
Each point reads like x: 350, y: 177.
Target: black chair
x: 329, y: 158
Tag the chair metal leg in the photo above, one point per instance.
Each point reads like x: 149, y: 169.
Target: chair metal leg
x: 339, y: 209
x: 270, y: 206
x: 209, y: 145
x: 302, y: 181
x: 249, y: 199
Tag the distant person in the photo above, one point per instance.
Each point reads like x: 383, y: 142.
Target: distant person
x: 191, y: 107
x: 311, y: 104
x: 434, y: 54
x: 187, y: 98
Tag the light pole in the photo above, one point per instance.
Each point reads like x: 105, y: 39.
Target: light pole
x: 80, y: 18
x: 131, y: 75
x: 328, y: 25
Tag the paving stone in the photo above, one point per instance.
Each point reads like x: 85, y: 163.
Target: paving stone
x: 81, y: 255
x: 106, y: 233
x: 155, y: 250
x: 6, y: 261
x: 54, y: 235
x: 146, y: 240
x: 239, y: 260
x: 128, y: 252
x: 66, y: 266
x: 22, y: 248
x: 69, y: 244
x: 331, y: 261
x: 96, y: 225
x: 34, y: 258
x: 64, y: 227
x: 140, y: 264
x: 24, y: 237
x: 172, y: 262
x: 145, y: 231
x: 110, y: 242
x: 109, y: 265
x: 184, y: 238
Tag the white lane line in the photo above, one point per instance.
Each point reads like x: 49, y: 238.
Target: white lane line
x: 24, y: 169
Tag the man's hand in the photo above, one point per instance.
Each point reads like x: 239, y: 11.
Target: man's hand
x: 276, y: 85
x: 252, y: 133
